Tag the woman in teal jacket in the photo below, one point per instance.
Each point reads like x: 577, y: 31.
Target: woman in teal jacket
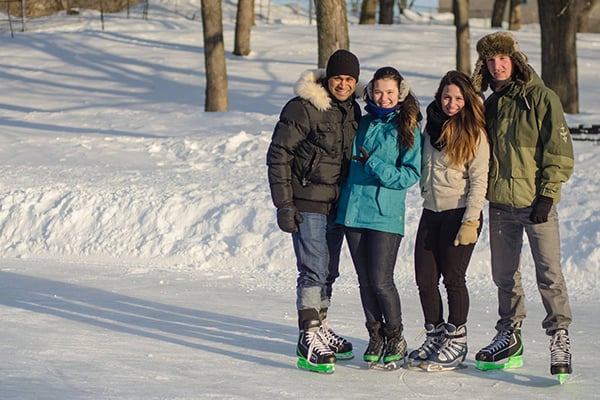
x: 386, y: 162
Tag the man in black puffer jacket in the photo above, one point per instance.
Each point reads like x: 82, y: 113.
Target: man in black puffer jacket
x: 307, y: 160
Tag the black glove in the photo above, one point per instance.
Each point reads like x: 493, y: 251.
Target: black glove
x: 541, y: 209
x: 288, y: 219
x: 365, y: 155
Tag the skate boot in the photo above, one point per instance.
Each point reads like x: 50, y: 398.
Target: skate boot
x: 506, y: 344
x: 313, y: 354
x: 395, y: 348
x: 560, y: 355
x: 452, y: 352
x: 374, y: 350
x: 340, y: 346
x: 433, y: 341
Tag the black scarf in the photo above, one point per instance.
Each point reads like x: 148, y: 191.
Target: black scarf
x: 435, y: 122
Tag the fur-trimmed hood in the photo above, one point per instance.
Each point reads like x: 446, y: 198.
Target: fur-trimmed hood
x: 312, y: 86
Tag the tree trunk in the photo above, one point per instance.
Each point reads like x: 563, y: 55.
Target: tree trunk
x: 583, y: 21
x: 332, y: 28
x: 498, y: 13
x: 463, y: 36
x: 386, y: 12
x: 558, y: 25
x: 514, y: 23
x: 243, y: 24
x: 367, y: 12
x: 214, y: 57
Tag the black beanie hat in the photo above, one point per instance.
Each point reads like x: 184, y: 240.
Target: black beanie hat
x: 342, y: 62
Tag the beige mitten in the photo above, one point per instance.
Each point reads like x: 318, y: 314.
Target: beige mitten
x: 467, y: 234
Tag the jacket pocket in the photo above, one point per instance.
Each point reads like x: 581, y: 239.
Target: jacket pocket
x: 390, y: 201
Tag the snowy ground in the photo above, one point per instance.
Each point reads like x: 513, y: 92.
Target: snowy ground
x: 140, y: 258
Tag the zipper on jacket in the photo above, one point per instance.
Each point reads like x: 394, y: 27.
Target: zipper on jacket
x: 306, y: 177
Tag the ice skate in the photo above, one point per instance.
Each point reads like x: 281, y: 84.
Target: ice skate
x: 313, y: 354
x: 433, y: 341
x: 395, y: 349
x: 452, y: 351
x: 505, y: 351
x: 560, y: 355
x: 340, y: 346
x: 374, y: 350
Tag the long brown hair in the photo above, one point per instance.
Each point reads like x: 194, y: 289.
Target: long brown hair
x: 461, y: 133
x: 409, y: 116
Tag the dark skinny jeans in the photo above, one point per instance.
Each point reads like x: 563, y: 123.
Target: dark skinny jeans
x: 437, y: 257
x: 374, y: 255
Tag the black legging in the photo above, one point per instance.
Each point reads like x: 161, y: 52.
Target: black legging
x: 436, y: 257
x: 374, y: 255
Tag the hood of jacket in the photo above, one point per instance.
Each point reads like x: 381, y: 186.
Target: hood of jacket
x: 311, y: 86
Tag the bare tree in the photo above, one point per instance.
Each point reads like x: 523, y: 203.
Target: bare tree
x: 463, y: 35
x: 386, y: 12
x: 516, y: 13
x: 243, y: 24
x: 367, y: 12
x: 558, y: 25
x: 498, y: 13
x: 217, y: 98
x: 332, y: 28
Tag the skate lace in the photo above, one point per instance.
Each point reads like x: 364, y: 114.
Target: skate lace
x: 315, y: 344
x: 560, y: 348
x: 329, y: 337
x: 501, y: 340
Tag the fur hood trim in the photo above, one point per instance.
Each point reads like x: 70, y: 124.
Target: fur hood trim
x: 310, y: 88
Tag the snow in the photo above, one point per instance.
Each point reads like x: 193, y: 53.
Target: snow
x: 140, y: 258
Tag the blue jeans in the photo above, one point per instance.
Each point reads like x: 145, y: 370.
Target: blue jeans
x: 507, y: 225
x: 317, y: 245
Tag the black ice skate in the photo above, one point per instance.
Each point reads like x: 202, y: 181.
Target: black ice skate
x: 560, y: 355
x: 313, y: 354
x: 506, y: 347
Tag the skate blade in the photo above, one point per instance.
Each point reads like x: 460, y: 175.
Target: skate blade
x: 415, y: 364
x: 321, y: 368
x: 391, y: 366
x: 433, y: 367
x: 512, y: 362
x: 344, y: 356
x: 561, y: 378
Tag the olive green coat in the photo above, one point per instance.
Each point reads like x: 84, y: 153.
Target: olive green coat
x: 531, y: 148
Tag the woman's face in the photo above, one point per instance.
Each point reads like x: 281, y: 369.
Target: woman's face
x: 452, y: 100
x: 385, y: 93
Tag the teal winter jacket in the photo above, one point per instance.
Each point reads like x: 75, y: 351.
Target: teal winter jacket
x: 373, y: 195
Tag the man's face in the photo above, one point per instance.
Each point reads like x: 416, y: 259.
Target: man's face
x: 500, y: 67
x: 341, y: 86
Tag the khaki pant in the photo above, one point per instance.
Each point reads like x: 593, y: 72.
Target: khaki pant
x: 506, y: 242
